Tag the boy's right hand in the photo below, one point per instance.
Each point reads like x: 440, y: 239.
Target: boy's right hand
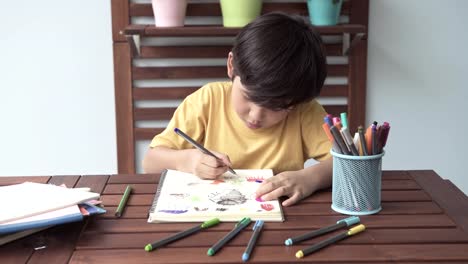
x: 206, y: 166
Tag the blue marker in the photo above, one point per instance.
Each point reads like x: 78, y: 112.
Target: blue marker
x: 342, y: 223
x: 256, y: 228
x: 328, y: 121
x: 237, y: 228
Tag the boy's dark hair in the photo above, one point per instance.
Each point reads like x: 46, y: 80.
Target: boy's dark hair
x: 280, y: 60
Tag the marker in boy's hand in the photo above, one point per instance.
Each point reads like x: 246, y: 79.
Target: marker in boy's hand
x: 206, y: 166
x: 211, y: 165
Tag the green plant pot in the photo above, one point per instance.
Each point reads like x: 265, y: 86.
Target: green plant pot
x: 324, y: 12
x: 238, y: 13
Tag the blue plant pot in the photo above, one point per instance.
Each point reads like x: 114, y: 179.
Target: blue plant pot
x: 324, y: 12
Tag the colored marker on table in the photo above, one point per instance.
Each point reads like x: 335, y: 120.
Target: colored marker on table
x: 198, y: 146
x: 123, y: 201
x: 353, y: 231
x: 257, y: 228
x: 181, y: 234
x: 237, y: 228
x: 340, y: 224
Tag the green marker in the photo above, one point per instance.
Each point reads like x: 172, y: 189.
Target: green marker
x: 123, y: 201
x: 344, y: 119
x: 237, y: 228
x: 182, y: 234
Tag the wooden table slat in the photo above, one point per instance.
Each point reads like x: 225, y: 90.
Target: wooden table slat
x: 339, y: 252
x: 409, y: 208
x: 96, y: 183
x: 149, y: 188
x: 291, y: 223
x: 451, y: 199
x: 138, y: 178
x: 60, y: 242
x: 16, y: 180
x: 320, y: 197
x: 272, y: 237
x: 68, y: 181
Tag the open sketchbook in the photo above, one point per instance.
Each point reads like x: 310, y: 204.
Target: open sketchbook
x: 183, y: 197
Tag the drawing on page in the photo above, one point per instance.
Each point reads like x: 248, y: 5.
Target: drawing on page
x: 228, y: 197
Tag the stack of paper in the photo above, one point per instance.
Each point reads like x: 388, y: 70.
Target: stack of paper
x: 32, y: 207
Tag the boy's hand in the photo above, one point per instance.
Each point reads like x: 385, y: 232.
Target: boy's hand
x: 297, y: 185
x: 206, y: 166
x: 293, y: 184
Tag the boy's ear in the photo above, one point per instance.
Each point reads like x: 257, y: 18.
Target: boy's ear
x: 230, y: 67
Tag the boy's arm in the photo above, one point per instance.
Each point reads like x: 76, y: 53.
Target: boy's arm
x: 321, y: 174
x: 297, y: 185
x: 186, y: 160
x: 158, y: 159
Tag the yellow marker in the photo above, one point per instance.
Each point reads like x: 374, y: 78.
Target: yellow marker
x: 355, y: 230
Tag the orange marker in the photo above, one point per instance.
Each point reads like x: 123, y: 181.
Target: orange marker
x: 368, y: 137
x: 336, y: 148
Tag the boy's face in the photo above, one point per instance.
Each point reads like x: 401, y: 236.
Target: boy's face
x: 254, y: 116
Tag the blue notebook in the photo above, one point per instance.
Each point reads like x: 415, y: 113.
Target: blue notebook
x: 56, y: 217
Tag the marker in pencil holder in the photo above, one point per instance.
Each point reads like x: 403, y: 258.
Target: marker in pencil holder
x: 356, y: 187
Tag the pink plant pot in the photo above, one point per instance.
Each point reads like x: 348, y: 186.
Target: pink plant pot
x: 169, y: 13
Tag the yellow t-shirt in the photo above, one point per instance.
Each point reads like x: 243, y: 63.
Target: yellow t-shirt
x: 208, y: 117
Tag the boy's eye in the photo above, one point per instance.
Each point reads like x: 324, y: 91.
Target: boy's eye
x: 282, y: 109
x: 278, y: 109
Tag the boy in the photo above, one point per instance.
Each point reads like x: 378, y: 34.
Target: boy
x: 265, y: 118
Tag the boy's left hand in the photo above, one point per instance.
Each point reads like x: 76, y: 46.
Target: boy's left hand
x: 293, y: 184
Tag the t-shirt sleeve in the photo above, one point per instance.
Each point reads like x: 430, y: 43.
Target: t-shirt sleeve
x: 189, y: 117
x: 315, y: 141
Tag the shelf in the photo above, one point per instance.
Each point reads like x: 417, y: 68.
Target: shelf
x: 194, y: 31
x: 133, y: 33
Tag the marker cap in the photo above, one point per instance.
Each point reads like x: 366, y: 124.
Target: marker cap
x: 211, y: 222
x: 210, y: 252
x: 244, y: 220
x: 356, y: 229
x: 350, y: 220
x: 344, y: 119
x: 299, y: 254
x: 148, y: 247
x: 245, y: 257
x: 258, y: 224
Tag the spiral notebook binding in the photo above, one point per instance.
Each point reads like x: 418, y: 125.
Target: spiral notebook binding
x: 156, y: 195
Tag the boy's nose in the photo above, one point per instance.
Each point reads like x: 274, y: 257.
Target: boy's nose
x: 256, y: 114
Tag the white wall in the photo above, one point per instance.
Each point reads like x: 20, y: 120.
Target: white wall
x: 417, y: 80
x: 57, y: 91
x: 57, y: 100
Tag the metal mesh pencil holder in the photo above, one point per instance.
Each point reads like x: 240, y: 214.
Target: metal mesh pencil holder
x: 356, y: 187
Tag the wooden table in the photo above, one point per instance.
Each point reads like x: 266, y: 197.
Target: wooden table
x: 424, y: 219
